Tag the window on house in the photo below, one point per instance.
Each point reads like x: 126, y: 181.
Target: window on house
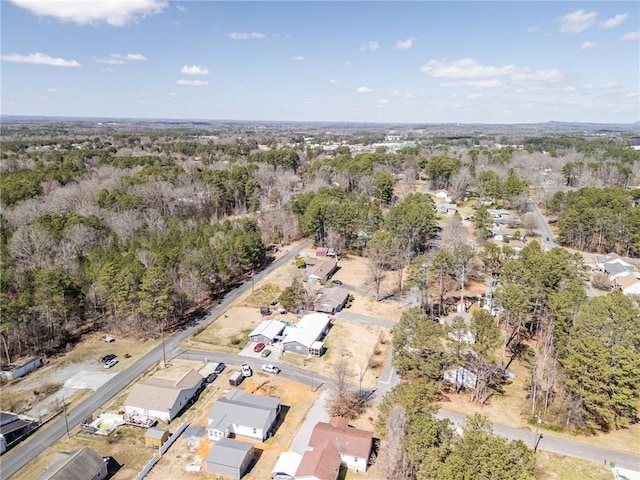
x: 255, y: 431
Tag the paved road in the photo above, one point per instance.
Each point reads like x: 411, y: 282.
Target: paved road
x: 549, y: 240
x: 357, y: 317
x: 26, y: 451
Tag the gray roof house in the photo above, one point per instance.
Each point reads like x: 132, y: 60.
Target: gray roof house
x: 617, y: 269
x: 319, y: 270
x: 230, y: 458
x: 243, y: 413
x: 306, y: 337
x: 82, y: 464
x: 267, y: 332
x: 331, y: 300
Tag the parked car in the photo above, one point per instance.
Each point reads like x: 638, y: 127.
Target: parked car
x: 108, y: 357
x: 336, y: 282
x: 265, y: 353
x: 270, y: 368
x: 210, y: 378
x: 219, y: 368
x: 259, y: 347
x: 282, y: 310
x: 275, y: 301
x: 246, y: 370
x: 108, y: 339
x: 110, y: 363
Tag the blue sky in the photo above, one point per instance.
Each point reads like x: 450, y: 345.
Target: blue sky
x: 430, y: 62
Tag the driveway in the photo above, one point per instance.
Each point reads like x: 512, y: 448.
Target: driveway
x: 316, y: 414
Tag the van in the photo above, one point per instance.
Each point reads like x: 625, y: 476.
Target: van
x: 236, y: 378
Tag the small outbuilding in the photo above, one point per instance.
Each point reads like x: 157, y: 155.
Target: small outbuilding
x: 155, y: 437
x: 230, y: 458
x: 21, y: 368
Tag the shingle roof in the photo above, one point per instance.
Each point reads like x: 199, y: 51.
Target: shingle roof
x: 80, y: 464
x: 160, y: 393
x: 323, y: 462
x: 240, y: 407
x: 229, y: 452
x: 156, y: 433
x: 323, y: 268
x: 348, y: 440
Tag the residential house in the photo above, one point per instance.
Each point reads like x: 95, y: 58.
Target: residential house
x: 353, y: 444
x: 306, y: 337
x: 163, y: 398
x: 617, y: 269
x: 499, y: 213
x: 243, y: 413
x: 321, y: 463
x: 443, y: 195
x: 628, y: 284
x: 267, y: 332
x: 461, y: 376
x: 319, y: 270
x: 331, y: 300
x: 13, y: 429
x: 82, y: 464
x: 286, y: 466
x: 230, y: 458
x: 446, y: 208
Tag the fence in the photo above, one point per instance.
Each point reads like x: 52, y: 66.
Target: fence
x: 147, y: 468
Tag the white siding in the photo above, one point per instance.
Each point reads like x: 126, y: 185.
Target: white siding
x: 164, y: 416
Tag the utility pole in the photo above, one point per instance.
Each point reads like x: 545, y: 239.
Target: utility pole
x: 538, y: 437
x: 64, y: 412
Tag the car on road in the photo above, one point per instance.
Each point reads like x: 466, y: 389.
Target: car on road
x: 270, y: 368
x: 108, y: 357
x: 110, y: 363
x: 265, y: 353
x: 210, y: 378
x: 259, y: 347
x: 336, y: 282
x: 219, y: 368
x: 246, y: 370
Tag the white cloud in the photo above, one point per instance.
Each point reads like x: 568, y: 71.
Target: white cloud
x: 383, y: 101
x: 614, y: 21
x: 578, y: 21
x: 333, y: 81
x: 533, y: 29
x: 246, y: 36
x: 468, y: 68
x: 51, y: 89
x: 112, y: 12
x: 118, y: 59
x: 39, y: 59
x: 363, y: 90
x: 601, y: 86
x: 173, y: 94
x: 587, y: 45
x: 398, y: 93
x: 475, y: 95
x: 493, y: 83
x: 194, y: 70
x: 181, y: 8
x: 405, y: 44
x: 298, y: 58
x: 370, y: 46
x: 630, y: 36
x: 192, y: 83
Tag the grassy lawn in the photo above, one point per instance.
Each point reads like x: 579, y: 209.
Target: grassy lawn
x: 551, y: 466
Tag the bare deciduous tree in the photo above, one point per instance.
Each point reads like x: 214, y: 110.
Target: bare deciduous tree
x: 395, y: 463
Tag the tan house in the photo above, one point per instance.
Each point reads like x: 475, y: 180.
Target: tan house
x: 320, y: 269
x: 83, y: 464
x: 163, y: 398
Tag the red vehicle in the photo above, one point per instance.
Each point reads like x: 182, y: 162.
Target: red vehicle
x: 259, y: 347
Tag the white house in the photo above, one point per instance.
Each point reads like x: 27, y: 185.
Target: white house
x: 163, y: 398
x: 628, y: 283
x: 306, y: 337
x: 353, y: 444
x: 267, y: 331
x: 243, y: 413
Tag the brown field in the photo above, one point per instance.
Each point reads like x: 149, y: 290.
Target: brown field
x: 551, y: 466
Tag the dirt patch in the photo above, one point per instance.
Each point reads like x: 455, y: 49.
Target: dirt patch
x: 354, y: 271
x: 231, y: 329
x: 367, y: 305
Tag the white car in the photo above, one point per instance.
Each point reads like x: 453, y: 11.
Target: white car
x: 270, y: 368
x: 246, y: 370
x: 110, y: 363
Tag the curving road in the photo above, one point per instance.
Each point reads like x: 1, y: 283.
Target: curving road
x: 26, y: 451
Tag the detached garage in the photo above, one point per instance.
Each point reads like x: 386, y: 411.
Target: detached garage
x: 267, y: 332
x: 230, y: 458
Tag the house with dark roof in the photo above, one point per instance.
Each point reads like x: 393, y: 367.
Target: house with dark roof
x: 321, y: 463
x: 244, y: 414
x: 163, y: 398
x: 12, y: 429
x: 230, y: 458
x: 353, y: 444
x: 82, y: 464
x: 320, y: 269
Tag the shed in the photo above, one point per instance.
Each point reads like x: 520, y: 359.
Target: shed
x: 230, y: 458
x: 21, y: 368
x: 155, y: 437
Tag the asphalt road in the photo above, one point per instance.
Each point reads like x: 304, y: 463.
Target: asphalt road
x: 26, y: 451
x: 549, y: 240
